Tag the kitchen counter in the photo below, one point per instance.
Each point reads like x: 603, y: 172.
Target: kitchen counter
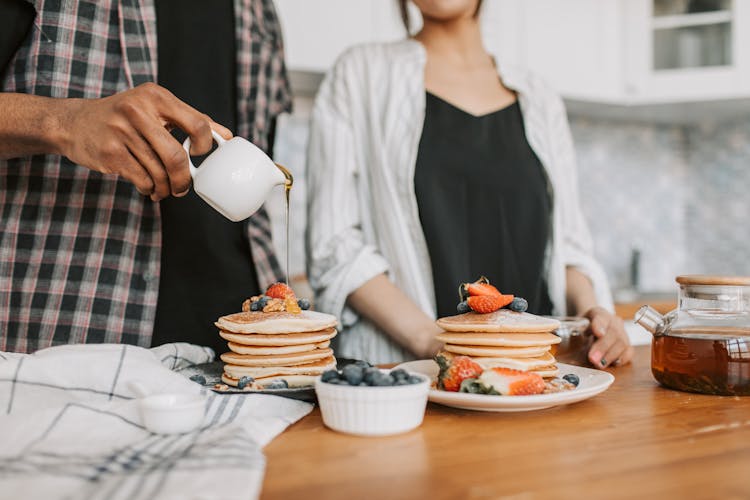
x: 636, y: 439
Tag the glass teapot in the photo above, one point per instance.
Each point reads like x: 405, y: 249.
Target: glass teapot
x: 704, y: 345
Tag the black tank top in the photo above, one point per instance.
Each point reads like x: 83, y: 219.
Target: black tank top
x: 206, y: 266
x: 483, y: 203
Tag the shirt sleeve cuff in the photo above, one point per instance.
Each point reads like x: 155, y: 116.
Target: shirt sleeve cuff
x: 365, y: 266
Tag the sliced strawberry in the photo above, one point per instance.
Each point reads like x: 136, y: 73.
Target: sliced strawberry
x: 511, y: 382
x: 488, y: 303
x: 279, y: 291
x: 455, y: 370
x: 475, y: 289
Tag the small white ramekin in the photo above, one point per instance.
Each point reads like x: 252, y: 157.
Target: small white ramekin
x: 172, y: 413
x: 373, y: 411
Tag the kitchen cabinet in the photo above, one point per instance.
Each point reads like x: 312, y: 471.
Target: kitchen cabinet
x: 628, y: 52
x: 316, y: 32
x: 623, y: 59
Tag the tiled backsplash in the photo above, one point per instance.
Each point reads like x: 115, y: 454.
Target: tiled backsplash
x: 679, y: 195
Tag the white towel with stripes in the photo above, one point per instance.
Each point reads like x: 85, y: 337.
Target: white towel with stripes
x: 70, y: 428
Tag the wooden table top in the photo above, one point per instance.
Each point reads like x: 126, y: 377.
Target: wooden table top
x: 635, y: 440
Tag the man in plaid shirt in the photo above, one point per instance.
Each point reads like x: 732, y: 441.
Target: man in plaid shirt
x: 86, y: 155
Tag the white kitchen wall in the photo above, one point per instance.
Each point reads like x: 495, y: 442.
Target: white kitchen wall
x: 678, y: 194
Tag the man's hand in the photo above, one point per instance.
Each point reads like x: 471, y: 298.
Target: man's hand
x: 128, y: 134
x: 612, y: 346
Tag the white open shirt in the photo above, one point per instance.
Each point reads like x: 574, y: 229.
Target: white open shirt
x: 363, y: 218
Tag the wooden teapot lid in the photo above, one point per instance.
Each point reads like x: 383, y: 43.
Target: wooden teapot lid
x: 711, y: 279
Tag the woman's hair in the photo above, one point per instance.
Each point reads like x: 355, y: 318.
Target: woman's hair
x: 404, y: 8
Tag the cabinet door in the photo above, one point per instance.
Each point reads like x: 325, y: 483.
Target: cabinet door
x: 316, y: 32
x: 576, y: 45
x: 687, y: 51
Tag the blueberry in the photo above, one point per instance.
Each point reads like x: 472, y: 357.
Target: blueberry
x: 413, y: 379
x: 402, y: 382
x: 198, y: 379
x: 363, y: 364
x: 353, y: 374
x: 463, y: 307
x: 262, y: 302
x: 370, y: 374
x: 572, y: 378
x: 277, y: 384
x: 329, y: 375
x: 255, y: 306
x: 244, y: 382
x: 303, y: 304
x: 399, y: 374
x: 383, y: 379
x: 519, y: 305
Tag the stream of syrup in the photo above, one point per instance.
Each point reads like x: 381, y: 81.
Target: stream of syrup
x: 287, y: 191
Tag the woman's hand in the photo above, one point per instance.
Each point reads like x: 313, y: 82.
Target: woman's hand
x: 612, y: 346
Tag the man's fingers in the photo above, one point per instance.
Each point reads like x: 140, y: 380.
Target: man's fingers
x: 132, y: 170
x: 222, y: 130
x: 141, y: 151
x: 172, y: 155
x: 191, y: 121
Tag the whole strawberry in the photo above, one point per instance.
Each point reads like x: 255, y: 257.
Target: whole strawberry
x: 455, y: 370
x: 279, y: 291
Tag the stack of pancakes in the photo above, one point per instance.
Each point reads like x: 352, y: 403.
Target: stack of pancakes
x: 268, y: 346
x: 503, y: 338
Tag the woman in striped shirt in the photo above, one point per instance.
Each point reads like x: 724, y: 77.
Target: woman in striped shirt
x: 430, y: 164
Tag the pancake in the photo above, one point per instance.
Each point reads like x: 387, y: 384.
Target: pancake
x: 314, y: 368
x: 292, y: 380
x: 255, y: 339
x: 262, y: 351
x: 502, y: 320
x: 276, y: 322
x: 292, y: 359
x: 500, y: 339
x: 547, y: 372
x: 514, y: 352
x: 523, y: 364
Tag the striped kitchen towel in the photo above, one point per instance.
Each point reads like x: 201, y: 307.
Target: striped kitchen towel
x: 70, y: 428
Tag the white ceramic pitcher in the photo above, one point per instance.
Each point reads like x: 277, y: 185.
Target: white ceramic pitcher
x: 236, y: 178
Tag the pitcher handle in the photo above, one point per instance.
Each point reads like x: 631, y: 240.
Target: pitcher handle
x: 219, y: 140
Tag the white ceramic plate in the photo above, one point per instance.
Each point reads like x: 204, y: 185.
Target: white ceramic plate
x: 592, y: 382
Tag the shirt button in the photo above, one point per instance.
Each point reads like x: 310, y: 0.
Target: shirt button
x: 148, y: 276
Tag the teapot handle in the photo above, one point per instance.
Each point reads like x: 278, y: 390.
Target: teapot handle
x: 219, y: 140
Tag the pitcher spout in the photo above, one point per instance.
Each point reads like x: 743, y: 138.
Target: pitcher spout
x: 286, y: 178
x: 650, y: 319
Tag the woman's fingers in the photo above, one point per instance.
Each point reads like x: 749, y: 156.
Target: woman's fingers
x: 612, y: 345
x: 614, y: 355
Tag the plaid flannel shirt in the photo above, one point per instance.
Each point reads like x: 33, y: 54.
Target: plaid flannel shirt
x: 80, y: 250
